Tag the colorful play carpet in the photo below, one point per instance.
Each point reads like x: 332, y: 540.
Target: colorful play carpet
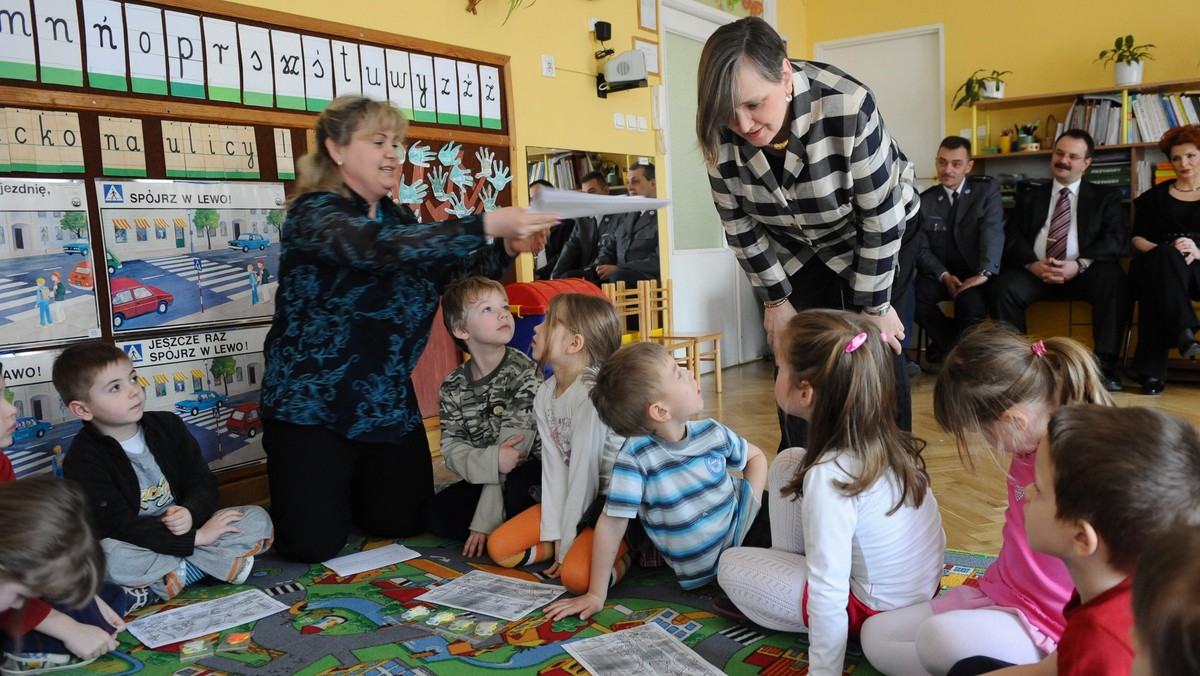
x: 357, y: 625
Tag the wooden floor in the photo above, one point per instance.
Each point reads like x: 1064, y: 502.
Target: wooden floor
x: 972, y: 505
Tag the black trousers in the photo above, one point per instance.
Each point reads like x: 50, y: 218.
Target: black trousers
x: 1103, y: 286
x: 970, y: 308
x: 322, y: 482
x: 816, y: 286
x: 450, y: 512
x: 1165, y: 286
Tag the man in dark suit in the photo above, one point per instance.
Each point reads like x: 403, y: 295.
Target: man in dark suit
x: 578, y: 255
x: 1063, y: 241
x: 556, y: 241
x: 961, y: 243
x: 632, y: 252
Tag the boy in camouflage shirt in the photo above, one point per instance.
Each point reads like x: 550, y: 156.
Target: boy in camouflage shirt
x: 489, y: 432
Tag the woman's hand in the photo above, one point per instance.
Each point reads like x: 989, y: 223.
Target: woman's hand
x: 1187, y: 247
x: 775, y: 320
x: 516, y: 222
x: 890, y: 324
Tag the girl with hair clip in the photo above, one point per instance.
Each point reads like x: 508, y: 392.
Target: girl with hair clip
x: 854, y: 526
x: 578, y: 449
x: 1004, y: 386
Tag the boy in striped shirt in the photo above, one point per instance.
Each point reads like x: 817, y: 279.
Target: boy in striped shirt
x: 671, y: 472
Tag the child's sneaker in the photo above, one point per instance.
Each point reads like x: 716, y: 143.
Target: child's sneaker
x: 39, y: 663
x: 243, y: 573
x: 137, y: 598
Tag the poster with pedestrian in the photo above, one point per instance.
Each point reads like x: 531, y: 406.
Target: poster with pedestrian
x: 191, y: 253
x: 47, y: 283
x: 211, y: 380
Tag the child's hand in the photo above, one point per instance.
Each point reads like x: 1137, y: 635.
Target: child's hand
x: 217, y: 526
x: 586, y: 606
x: 476, y: 544
x: 88, y: 642
x: 510, y: 456
x: 110, y: 616
x: 177, y: 519
x: 553, y: 571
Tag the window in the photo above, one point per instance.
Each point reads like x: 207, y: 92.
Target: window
x: 160, y: 388
x: 122, y: 297
x: 238, y: 373
x: 141, y: 234
x: 119, y: 236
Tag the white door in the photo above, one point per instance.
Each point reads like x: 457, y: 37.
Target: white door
x: 905, y: 70
x: 711, y: 291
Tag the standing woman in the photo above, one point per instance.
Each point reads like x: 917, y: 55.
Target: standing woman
x: 359, y: 281
x: 1165, y: 275
x: 814, y: 195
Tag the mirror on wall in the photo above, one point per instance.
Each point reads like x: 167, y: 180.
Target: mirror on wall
x: 565, y: 168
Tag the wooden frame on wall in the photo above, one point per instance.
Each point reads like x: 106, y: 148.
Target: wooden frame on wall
x: 653, y: 54
x: 648, y: 15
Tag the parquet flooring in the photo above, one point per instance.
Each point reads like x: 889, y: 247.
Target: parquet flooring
x: 972, y: 505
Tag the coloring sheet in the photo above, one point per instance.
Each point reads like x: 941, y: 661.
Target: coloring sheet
x: 646, y: 649
x: 360, y: 562
x: 494, y: 595
x: 198, y: 619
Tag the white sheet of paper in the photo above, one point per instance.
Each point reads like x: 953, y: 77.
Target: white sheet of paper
x: 358, y: 562
x: 645, y: 650
x: 571, y: 204
x: 493, y: 595
x: 207, y: 617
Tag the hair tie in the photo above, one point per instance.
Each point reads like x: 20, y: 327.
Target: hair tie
x: 856, y: 342
x: 1039, y: 348
x: 883, y: 336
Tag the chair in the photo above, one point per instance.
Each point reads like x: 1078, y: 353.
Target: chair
x: 629, y: 305
x: 659, y: 325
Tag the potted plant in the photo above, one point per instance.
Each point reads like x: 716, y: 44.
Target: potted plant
x: 1128, y: 58
x: 979, y: 86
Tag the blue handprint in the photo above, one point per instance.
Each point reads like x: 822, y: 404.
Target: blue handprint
x: 489, y: 199
x: 412, y: 194
x: 457, y: 207
x: 419, y: 154
x: 485, y: 162
x: 500, y: 176
x: 448, y: 155
x: 437, y: 179
x: 461, y: 177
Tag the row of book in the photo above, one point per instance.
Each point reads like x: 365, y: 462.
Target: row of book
x: 563, y: 171
x: 1099, y: 115
x: 1156, y: 113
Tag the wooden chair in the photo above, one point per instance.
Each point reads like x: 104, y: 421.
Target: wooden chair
x: 659, y: 326
x: 629, y: 305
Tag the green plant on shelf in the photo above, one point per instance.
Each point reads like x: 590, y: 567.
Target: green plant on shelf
x: 973, y: 89
x: 1125, y: 51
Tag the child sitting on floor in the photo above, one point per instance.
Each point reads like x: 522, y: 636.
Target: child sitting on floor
x: 1166, y: 606
x: 855, y: 529
x: 489, y: 432
x: 580, y: 331
x: 1108, y: 480
x: 672, y: 473
x: 51, y: 570
x: 151, y: 495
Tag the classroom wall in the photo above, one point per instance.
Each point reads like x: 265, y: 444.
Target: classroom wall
x: 1049, y: 46
x: 563, y: 111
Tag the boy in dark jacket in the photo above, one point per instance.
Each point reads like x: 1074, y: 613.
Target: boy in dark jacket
x: 152, y: 496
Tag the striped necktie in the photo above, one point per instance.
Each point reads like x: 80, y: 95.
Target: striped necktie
x: 1060, y: 227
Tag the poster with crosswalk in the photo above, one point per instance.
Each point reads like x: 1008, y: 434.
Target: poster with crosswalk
x: 46, y: 266
x: 211, y: 380
x: 190, y: 254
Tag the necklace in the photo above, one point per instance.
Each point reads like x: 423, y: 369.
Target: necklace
x: 781, y: 145
x: 1176, y: 186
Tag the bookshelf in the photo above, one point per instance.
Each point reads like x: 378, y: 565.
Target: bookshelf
x: 1140, y: 157
x: 565, y: 168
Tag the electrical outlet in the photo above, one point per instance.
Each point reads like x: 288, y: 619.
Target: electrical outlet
x: 547, y: 65
x: 619, y: 120
x: 592, y: 24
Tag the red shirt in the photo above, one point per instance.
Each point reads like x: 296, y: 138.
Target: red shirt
x: 20, y: 621
x: 1096, y: 640
x: 6, y: 470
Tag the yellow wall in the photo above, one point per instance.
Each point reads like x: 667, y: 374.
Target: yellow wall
x: 561, y: 112
x: 1049, y: 46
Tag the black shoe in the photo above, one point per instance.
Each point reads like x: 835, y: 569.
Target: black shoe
x: 1152, y: 385
x: 1190, y: 349
x: 726, y: 608
x: 1112, y: 382
x: 914, y: 369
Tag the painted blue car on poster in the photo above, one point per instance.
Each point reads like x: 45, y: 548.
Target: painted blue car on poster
x: 202, y: 400
x: 27, y: 428
x: 250, y: 240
